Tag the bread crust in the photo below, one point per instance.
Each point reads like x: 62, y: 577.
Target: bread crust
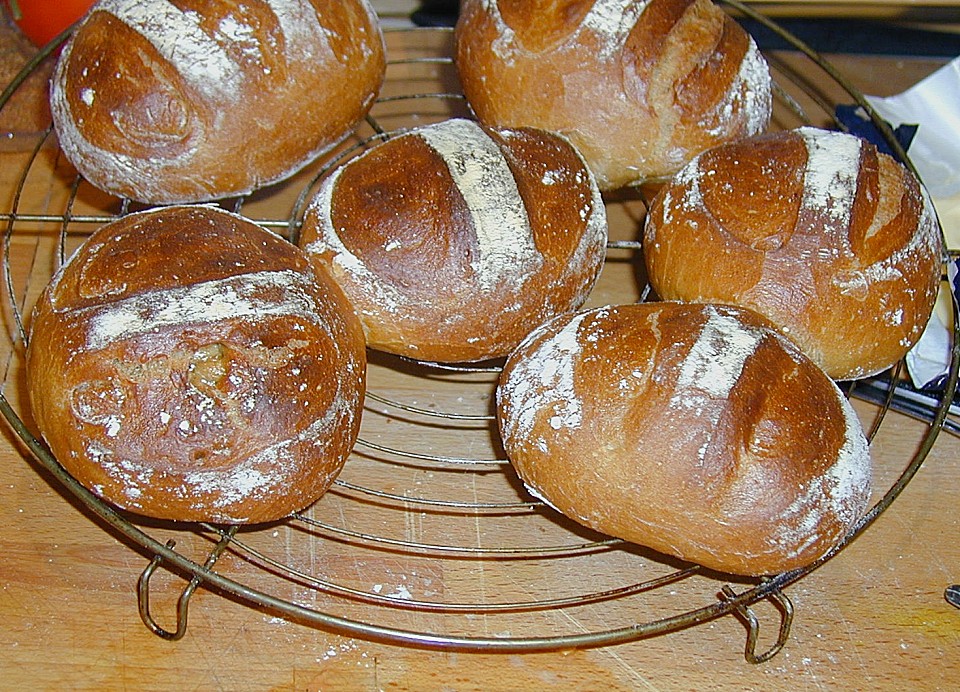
x: 222, y: 386
x: 835, y: 243
x: 695, y: 430
x: 168, y: 102
x: 638, y: 86
x: 453, y: 241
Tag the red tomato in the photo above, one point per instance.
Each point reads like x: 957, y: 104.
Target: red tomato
x: 41, y: 20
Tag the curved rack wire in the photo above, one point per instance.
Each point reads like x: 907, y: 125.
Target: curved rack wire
x: 377, y: 556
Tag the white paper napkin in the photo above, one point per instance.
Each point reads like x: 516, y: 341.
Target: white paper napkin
x: 934, y: 104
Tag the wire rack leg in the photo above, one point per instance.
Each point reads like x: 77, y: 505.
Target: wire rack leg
x: 749, y: 618
x: 183, y: 603
x: 952, y: 594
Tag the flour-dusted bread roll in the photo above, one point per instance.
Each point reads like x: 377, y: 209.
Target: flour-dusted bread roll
x: 453, y: 241
x: 639, y: 86
x: 167, y: 102
x: 835, y: 243
x: 696, y: 430
x: 188, y: 364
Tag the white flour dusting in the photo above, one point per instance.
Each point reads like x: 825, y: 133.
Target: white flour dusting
x: 850, y: 477
x: 717, y: 358
x: 612, y: 21
x: 232, y: 485
x: 385, y: 296
x: 843, y: 489
x: 505, y: 42
x: 179, y: 38
x: 830, y: 176
x: 130, y: 476
x: 830, y: 189
x: 544, y: 379
x: 688, y: 181
x: 755, y: 77
x: 260, y: 474
x: 710, y: 371
x: 302, y: 32
x: 925, y: 242
x: 235, y: 297
x: 238, y: 33
x: 590, y: 252
x: 751, y: 93
x: 480, y: 172
x: 269, y: 469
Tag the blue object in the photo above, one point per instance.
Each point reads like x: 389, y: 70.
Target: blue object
x: 858, y: 123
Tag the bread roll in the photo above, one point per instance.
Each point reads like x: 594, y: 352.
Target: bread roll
x: 187, y: 364
x: 695, y: 430
x: 834, y: 242
x: 454, y: 241
x: 168, y: 102
x: 639, y: 86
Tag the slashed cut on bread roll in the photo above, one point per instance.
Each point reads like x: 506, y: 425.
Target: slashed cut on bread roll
x: 165, y: 102
x: 453, y: 241
x: 835, y: 243
x: 639, y: 86
x: 695, y: 430
x: 187, y: 364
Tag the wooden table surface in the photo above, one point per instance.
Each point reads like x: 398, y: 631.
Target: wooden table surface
x: 874, y: 617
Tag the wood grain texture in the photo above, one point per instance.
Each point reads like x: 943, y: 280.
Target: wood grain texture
x: 872, y: 618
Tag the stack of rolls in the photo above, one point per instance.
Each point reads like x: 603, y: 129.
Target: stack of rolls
x: 707, y: 425
x: 833, y: 241
x: 228, y: 386
x: 185, y: 363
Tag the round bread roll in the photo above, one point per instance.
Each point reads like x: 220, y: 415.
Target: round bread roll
x: 695, y: 430
x: 454, y: 241
x: 638, y: 86
x: 167, y: 102
x: 835, y: 243
x: 187, y: 364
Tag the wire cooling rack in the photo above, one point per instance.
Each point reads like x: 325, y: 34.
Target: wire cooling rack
x: 427, y: 538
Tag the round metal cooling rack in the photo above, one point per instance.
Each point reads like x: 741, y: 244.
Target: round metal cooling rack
x: 427, y: 507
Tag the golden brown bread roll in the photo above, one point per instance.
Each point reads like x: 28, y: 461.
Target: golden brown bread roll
x: 187, y: 364
x: 695, y: 430
x: 832, y: 241
x: 453, y: 241
x: 168, y: 102
x: 639, y: 86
